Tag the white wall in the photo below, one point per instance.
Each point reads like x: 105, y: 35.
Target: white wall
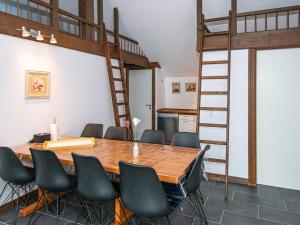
x: 278, y: 124
x: 79, y: 90
x: 182, y: 100
x: 238, y: 151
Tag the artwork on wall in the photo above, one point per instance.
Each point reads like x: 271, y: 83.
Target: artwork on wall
x: 190, y: 87
x: 37, y: 85
x: 176, y: 88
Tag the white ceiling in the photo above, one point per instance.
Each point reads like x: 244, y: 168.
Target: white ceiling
x: 166, y: 29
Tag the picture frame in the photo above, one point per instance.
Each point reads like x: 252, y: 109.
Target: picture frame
x: 37, y: 85
x: 176, y: 88
x: 191, y: 87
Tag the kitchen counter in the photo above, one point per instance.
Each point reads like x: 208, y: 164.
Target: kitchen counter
x: 178, y: 111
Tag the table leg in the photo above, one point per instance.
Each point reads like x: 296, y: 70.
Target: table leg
x: 120, y: 210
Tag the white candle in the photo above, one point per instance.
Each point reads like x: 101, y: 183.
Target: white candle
x: 54, y: 131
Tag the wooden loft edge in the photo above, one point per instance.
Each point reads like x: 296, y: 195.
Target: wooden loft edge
x: 9, y: 24
x: 286, y: 38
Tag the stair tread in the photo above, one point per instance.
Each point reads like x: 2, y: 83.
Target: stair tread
x: 121, y: 103
x: 117, y: 79
x: 214, y: 77
x: 215, y: 62
x: 214, y: 93
x: 213, y: 142
x: 213, y: 125
x: 216, y: 33
x: 125, y: 115
x: 214, y: 108
x: 116, y: 67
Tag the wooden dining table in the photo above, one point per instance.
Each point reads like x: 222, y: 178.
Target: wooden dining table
x: 170, y: 162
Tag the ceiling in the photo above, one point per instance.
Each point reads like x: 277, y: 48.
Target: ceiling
x: 166, y: 29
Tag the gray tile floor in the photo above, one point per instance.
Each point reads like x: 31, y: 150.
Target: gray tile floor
x: 261, y: 205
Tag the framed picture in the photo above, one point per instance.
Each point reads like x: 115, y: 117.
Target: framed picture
x: 190, y: 87
x: 176, y: 88
x: 37, y: 85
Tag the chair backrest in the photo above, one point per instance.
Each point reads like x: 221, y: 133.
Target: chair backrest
x: 93, y: 182
x: 186, y: 139
x: 194, y: 176
x: 115, y: 133
x: 11, y: 168
x: 142, y: 192
x: 50, y: 174
x: 93, y: 130
x: 153, y: 137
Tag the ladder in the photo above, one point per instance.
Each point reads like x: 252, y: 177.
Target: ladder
x: 201, y: 93
x: 119, y: 92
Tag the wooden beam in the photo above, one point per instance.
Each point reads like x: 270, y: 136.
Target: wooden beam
x: 252, y: 118
x: 153, y: 98
x: 86, y: 11
x: 54, y: 15
x: 100, y: 19
x: 199, y: 22
x: 234, y: 16
x: 9, y: 24
x: 288, y: 38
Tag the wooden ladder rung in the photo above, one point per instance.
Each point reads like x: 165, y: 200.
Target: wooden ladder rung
x: 116, y: 67
x: 213, y: 125
x: 215, y: 62
x: 120, y: 91
x: 214, y: 77
x: 216, y: 160
x: 214, y: 93
x: 213, y: 142
x: 122, y: 116
x: 216, y: 33
x: 118, y: 79
x: 111, y: 43
x: 213, y: 109
x: 121, y: 103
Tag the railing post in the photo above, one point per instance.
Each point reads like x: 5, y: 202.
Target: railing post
x: 116, y: 26
x: 54, y: 15
x: 233, y: 16
x: 100, y: 20
x: 86, y: 11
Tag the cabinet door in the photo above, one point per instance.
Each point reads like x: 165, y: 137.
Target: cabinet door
x: 187, y: 123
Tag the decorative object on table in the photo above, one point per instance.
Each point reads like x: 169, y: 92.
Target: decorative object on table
x: 41, y: 138
x: 190, y: 87
x: 37, y: 85
x: 70, y: 143
x: 54, y: 130
x: 37, y: 35
x: 135, y: 122
x: 176, y: 88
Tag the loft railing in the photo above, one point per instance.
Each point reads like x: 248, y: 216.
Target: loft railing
x: 256, y: 21
x: 270, y: 19
x: 46, y: 14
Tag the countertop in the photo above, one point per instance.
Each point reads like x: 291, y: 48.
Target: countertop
x: 178, y: 111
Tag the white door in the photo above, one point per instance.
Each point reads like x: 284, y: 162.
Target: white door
x: 140, y: 99
x: 278, y: 121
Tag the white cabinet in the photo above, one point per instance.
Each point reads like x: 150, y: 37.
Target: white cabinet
x: 187, y: 123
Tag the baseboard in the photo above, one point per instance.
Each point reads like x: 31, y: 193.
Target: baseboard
x: 231, y: 179
x: 4, y: 208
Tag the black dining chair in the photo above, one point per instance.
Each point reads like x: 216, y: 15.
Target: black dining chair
x: 115, y: 133
x: 94, y: 186
x: 190, y: 188
x: 93, y: 130
x: 142, y: 192
x: 51, y: 178
x: 17, y: 177
x: 153, y: 137
x: 186, y: 139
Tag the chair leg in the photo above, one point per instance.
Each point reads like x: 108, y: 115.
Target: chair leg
x: 169, y: 222
x: 4, y: 188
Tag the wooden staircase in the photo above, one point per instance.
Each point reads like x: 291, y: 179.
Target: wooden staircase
x: 201, y: 93
x: 117, y: 82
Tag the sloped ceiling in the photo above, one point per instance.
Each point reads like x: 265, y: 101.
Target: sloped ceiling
x: 166, y: 29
